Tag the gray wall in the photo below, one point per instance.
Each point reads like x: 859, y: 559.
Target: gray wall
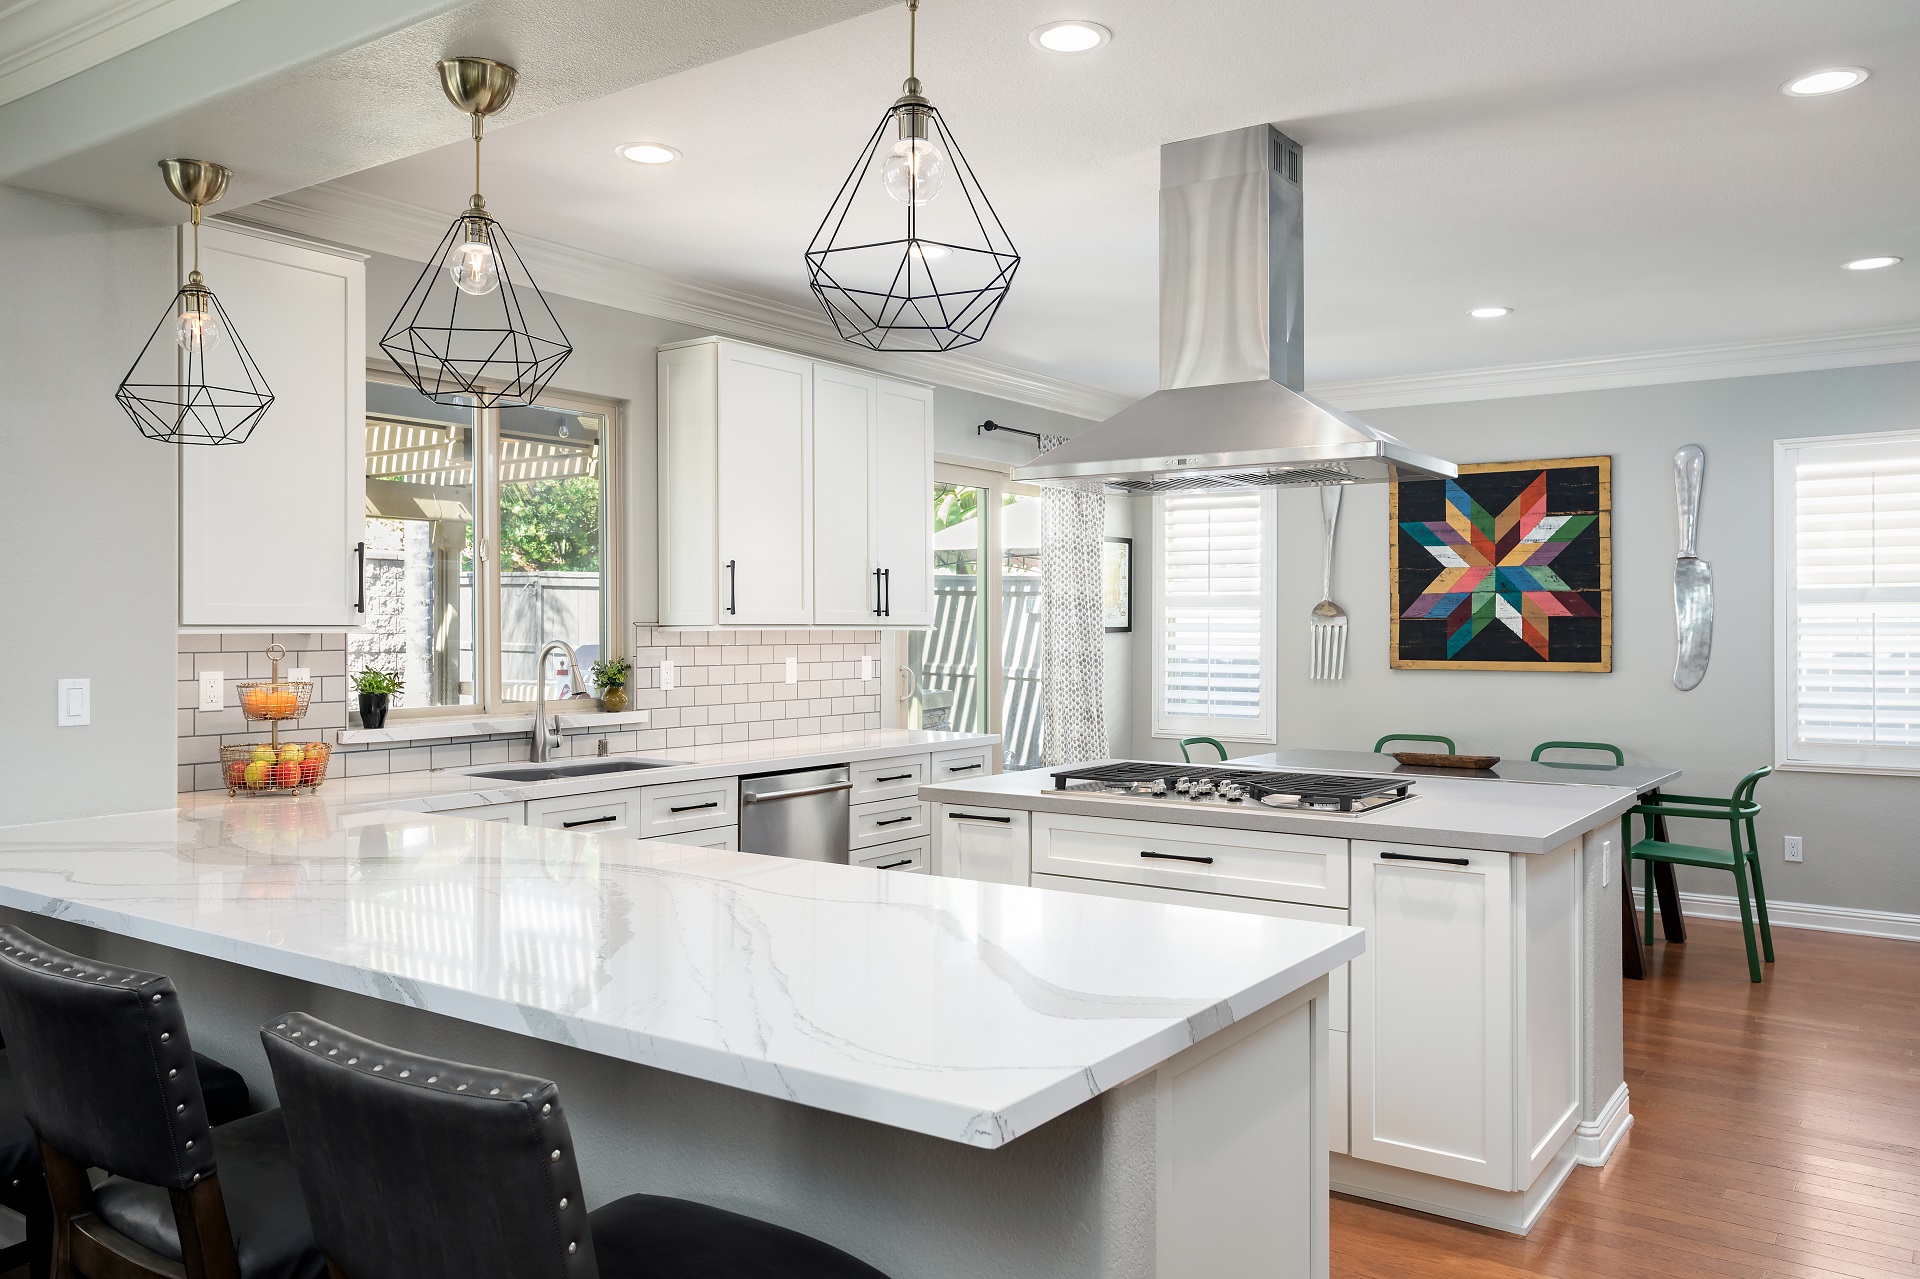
x: 1861, y: 850
x: 88, y: 520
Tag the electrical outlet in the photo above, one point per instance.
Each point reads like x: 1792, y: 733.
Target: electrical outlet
x: 666, y: 676
x: 213, y: 690
x: 866, y: 667
x: 1795, y: 853
x: 793, y: 670
x: 1606, y: 862
x: 300, y: 674
x: 76, y: 702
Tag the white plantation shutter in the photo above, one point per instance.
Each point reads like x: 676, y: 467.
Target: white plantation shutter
x: 1849, y: 537
x: 1214, y: 641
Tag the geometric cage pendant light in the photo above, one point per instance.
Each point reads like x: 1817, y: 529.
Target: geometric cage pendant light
x: 195, y: 382
x: 475, y: 328
x: 911, y: 256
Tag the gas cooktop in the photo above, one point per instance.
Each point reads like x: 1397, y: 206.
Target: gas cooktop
x: 1338, y: 793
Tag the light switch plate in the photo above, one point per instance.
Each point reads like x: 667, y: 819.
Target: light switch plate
x: 1606, y: 862
x: 213, y: 690
x: 793, y: 670
x: 666, y: 676
x: 866, y: 667
x: 76, y: 702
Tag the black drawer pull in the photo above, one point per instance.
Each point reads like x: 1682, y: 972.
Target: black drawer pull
x: 980, y: 817
x: 895, y: 821
x: 1415, y: 857
x: 894, y: 777
x: 1177, y: 857
x: 590, y: 821
x: 961, y: 768
x: 694, y: 808
x: 904, y: 861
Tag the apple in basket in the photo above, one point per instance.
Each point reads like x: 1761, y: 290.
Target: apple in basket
x: 259, y: 775
x: 312, y: 768
x: 287, y: 774
x: 291, y: 754
x: 236, y: 772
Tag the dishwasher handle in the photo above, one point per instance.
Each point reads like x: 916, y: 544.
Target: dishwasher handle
x: 750, y: 798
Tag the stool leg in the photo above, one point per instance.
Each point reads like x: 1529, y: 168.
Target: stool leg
x: 1760, y: 904
x: 1649, y: 906
x: 1746, y: 917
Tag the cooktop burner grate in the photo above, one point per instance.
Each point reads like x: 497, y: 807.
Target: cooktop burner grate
x: 1324, y: 792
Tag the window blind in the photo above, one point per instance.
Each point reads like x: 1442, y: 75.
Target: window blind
x: 1215, y: 617
x: 1853, y: 601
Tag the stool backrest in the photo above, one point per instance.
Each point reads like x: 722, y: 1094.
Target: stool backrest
x: 416, y: 1167
x: 101, y: 1058
x: 1619, y: 756
x: 1416, y: 737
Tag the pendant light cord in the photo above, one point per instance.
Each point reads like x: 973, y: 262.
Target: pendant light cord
x: 196, y: 277
x: 479, y: 125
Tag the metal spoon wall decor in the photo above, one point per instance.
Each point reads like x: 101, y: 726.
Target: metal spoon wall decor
x: 1692, y: 576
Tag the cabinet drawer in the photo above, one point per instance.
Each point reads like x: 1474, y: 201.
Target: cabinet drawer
x: 685, y: 806
x: 908, y: 856
x: 883, y: 823
x: 507, y: 814
x: 727, y: 837
x: 1337, y: 981
x: 898, y: 778
x: 608, y: 813
x: 960, y: 764
x: 972, y: 841
x: 1308, y: 869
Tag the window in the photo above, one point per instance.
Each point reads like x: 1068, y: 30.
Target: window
x: 445, y: 485
x: 1213, y: 642
x: 1847, y: 568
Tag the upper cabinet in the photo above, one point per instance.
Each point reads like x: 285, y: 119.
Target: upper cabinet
x: 792, y: 492
x: 271, y: 531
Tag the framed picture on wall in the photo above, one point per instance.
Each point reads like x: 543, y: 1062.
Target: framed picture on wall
x: 1507, y: 568
x: 1116, y: 583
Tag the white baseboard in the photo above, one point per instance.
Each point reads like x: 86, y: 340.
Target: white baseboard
x: 1595, y: 1139
x: 1821, y: 919
x: 1511, y: 1211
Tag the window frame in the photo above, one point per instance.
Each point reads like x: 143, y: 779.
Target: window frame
x: 614, y: 616
x: 1264, y: 728
x: 1894, y: 761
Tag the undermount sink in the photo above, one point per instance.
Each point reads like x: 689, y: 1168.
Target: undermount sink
x: 585, y: 768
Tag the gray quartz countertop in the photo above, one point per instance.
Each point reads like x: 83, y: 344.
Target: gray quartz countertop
x: 1471, y: 810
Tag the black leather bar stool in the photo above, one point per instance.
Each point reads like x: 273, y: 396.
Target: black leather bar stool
x: 420, y: 1168
x: 107, y: 1079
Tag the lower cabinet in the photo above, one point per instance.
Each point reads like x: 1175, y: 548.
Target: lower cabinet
x: 726, y: 837
x: 1466, y: 1005
x: 603, y: 813
x: 644, y: 812
x: 971, y: 841
x: 886, y: 822
x: 962, y: 763
x: 909, y: 856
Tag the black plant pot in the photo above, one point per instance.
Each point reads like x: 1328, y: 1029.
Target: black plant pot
x: 373, y: 709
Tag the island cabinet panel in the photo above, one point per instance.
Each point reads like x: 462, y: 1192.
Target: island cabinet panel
x: 1308, y: 869
x: 1433, y: 1086
x: 1550, y: 901
x: 972, y: 841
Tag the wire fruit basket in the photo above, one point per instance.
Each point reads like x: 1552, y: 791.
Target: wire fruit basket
x: 272, y: 767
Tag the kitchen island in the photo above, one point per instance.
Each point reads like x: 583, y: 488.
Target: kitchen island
x: 948, y: 1079
x: 1476, y: 1045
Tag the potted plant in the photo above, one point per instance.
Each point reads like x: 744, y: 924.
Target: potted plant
x: 610, y: 677
x: 377, y: 690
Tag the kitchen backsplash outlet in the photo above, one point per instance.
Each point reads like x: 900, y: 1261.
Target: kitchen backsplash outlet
x: 728, y: 686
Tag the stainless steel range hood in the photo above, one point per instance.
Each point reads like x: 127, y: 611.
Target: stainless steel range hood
x: 1232, y: 412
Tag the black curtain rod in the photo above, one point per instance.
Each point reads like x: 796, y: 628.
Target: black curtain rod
x: 991, y: 425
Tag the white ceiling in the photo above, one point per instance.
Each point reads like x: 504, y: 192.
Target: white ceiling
x: 1623, y: 173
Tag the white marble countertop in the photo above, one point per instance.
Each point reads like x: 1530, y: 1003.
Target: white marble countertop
x: 968, y: 1011
x: 452, y: 789
x: 1447, y: 812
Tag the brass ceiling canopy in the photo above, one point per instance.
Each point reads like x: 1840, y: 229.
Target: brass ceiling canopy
x: 196, y: 182
x: 478, y: 86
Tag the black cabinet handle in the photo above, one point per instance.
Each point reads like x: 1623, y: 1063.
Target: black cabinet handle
x: 877, y: 606
x: 961, y: 768
x: 590, y: 821
x: 1415, y: 857
x: 1176, y: 857
x: 886, y: 585
x: 360, y: 560
x: 894, y: 777
x: 694, y: 808
x: 904, y: 861
x: 733, y: 586
x: 895, y: 821
x: 980, y: 817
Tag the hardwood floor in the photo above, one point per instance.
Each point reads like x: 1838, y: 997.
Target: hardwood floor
x: 1776, y: 1133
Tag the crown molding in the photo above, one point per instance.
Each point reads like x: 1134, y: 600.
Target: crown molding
x: 1644, y: 368
x: 42, y: 42
x: 403, y: 230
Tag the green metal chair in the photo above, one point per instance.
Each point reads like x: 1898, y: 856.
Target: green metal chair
x: 1619, y: 756
x: 1201, y: 741
x: 1740, y: 861
x: 1414, y: 737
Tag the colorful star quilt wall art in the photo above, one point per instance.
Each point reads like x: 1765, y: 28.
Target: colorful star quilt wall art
x: 1508, y: 567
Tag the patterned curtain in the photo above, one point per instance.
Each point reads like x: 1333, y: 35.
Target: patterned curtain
x: 1073, y: 527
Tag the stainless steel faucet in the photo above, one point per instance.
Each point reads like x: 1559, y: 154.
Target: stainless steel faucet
x: 544, y: 737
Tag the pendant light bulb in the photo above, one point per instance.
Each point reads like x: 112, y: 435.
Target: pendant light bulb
x: 914, y: 171
x: 199, y: 328
x: 473, y: 266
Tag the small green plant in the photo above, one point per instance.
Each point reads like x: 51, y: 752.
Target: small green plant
x: 609, y: 673
x: 377, y: 682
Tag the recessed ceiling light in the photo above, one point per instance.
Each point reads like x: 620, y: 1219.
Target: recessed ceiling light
x: 1832, y: 80
x: 1870, y: 264
x: 1070, y: 37
x: 1490, y: 312
x: 649, y: 152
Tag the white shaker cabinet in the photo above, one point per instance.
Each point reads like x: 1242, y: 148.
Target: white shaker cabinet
x: 902, y: 503
x: 271, y: 530
x: 846, y: 411
x: 975, y: 842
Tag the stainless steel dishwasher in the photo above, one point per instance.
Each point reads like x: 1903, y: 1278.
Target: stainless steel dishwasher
x: 800, y: 814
